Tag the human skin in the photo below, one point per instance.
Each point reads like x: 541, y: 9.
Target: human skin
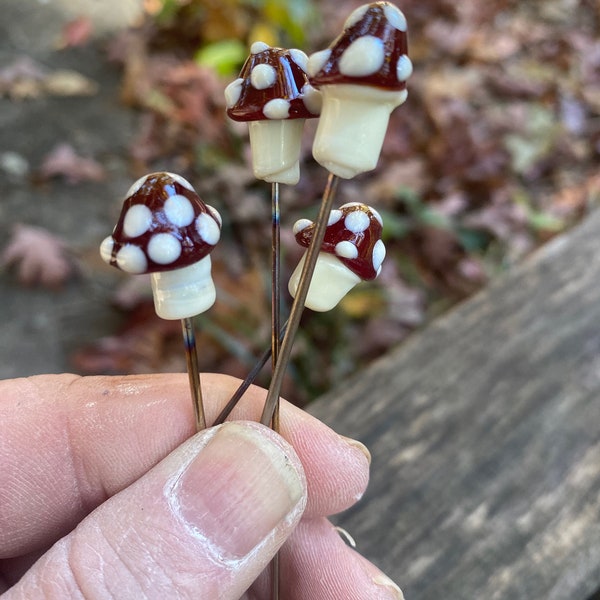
x: 107, y: 492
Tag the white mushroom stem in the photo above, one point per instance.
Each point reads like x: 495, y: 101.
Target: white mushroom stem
x: 276, y: 149
x: 184, y: 292
x: 330, y: 282
x: 352, y: 127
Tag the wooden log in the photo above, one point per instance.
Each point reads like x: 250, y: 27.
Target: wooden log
x: 485, y: 435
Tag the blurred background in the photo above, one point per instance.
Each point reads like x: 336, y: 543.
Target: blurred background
x: 495, y: 152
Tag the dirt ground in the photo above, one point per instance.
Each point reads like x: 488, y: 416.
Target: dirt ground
x: 40, y: 327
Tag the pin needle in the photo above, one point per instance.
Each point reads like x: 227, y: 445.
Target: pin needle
x: 298, y: 305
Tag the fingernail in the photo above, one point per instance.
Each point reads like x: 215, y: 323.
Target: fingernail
x: 239, y: 488
x: 358, y: 446
x: 390, y: 588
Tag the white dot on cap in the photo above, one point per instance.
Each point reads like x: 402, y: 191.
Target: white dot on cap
x: 317, y: 61
x: 364, y: 56
x: 263, y: 76
x: 300, y: 225
x: 404, y: 68
x: 215, y: 213
x: 181, y: 181
x: 258, y: 47
x: 357, y: 221
x: 233, y: 92
x: 132, y: 259
x: 356, y: 16
x: 300, y: 58
x: 136, y: 186
x: 279, y: 108
x: 179, y: 210
x: 334, y: 217
x: 346, y: 249
x: 312, y: 99
x: 208, y: 229
x: 137, y: 221
x: 378, y: 254
x: 395, y: 16
x: 106, y: 248
x: 164, y: 248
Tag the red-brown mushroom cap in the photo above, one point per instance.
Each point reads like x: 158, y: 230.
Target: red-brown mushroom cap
x: 353, y: 235
x: 163, y: 226
x: 371, y: 50
x: 272, y: 84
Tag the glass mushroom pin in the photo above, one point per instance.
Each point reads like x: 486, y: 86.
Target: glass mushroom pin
x: 273, y: 95
x: 352, y: 251
x: 362, y: 76
x: 165, y: 229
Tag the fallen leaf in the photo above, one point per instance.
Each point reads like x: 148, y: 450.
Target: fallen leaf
x: 26, y: 78
x: 501, y: 216
x: 75, y: 33
x: 452, y: 38
x: 63, y: 161
x: 38, y: 257
x: 409, y: 174
x: 66, y: 82
x: 23, y: 78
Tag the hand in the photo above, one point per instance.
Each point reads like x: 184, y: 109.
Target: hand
x: 105, y: 495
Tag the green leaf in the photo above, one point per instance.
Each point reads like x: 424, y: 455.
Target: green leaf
x: 542, y: 221
x: 224, y: 56
x: 473, y: 240
x: 293, y: 17
x: 537, y: 141
x: 168, y: 12
x: 394, y: 226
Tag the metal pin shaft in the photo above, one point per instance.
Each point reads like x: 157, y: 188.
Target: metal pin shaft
x: 191, y: 358
x: 275, y: 327
x: 299, y: 300
x: 275, y: 289
x: 250, y: 378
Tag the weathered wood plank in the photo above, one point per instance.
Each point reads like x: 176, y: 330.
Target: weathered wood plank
x: 485, y: 435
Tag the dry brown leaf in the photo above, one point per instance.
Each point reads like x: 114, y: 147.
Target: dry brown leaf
x: 500, y: 216
x: 76, y: 32
x: 66, y: 82
x: 409, y: 174
x: 25, y: 78
x: 63, y: 161
x: 38, y: 257
x: 493, y: 46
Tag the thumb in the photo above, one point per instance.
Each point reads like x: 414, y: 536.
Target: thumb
x: 203, y: 523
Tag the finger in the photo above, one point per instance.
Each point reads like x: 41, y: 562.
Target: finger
x: 316, y: 564
x: 203, y: 523
x: 68, y: 443
x: 336, y: 467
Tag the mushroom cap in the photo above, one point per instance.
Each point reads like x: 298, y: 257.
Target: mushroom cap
x: 163, y: 226
x: 272, y: 84
x: 353, y: 235
x: 371, y: 50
